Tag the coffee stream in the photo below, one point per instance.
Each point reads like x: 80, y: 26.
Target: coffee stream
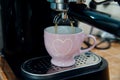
x: 56, y: 28
x: 72, y: 27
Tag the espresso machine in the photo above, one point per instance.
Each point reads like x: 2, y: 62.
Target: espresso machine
x: 23, y: 23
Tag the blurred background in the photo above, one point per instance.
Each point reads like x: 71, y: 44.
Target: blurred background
x: 112, y: 8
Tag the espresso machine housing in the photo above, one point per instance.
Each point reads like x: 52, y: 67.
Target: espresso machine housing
x: 23, y: 23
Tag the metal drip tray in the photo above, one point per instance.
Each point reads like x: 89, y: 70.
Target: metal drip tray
x: 41, y: 67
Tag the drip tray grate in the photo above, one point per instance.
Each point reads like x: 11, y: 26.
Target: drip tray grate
x: 41, y: 66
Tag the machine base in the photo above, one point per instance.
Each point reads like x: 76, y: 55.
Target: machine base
x: 88, y: 66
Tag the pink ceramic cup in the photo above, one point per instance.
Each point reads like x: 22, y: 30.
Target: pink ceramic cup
x: 64, y: 45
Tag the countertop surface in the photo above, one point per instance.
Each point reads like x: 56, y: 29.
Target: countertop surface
x: 5, y: 71
x: 112, y: 55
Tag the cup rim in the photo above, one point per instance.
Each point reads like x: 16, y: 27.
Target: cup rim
x: 64, y: 34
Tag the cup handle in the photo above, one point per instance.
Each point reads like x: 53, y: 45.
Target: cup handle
x: 91, y: 47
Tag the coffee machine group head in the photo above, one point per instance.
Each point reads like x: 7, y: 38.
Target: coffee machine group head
x: 62, y: 5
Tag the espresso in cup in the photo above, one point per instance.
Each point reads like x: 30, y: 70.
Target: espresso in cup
x: 64, y: 45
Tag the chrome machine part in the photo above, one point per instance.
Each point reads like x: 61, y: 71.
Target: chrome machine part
x: 62, y: 5
x: 61, y: 17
